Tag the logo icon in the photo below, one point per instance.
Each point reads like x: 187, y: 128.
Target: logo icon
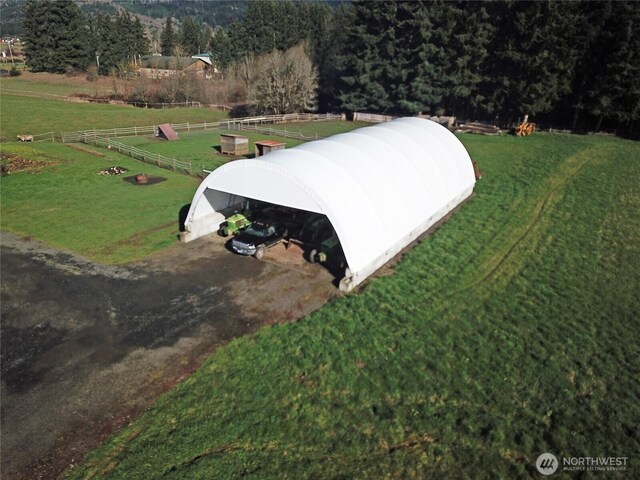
x: 547, y: 463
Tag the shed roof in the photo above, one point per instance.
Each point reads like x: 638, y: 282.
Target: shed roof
x: 269, y: 143
x: 168, y: 62
x: 167, y: 131
x: 380, y: 186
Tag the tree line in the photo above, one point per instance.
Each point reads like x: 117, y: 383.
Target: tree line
x: 573, y: 63
x: 59, y: 38
x: 570, y: 63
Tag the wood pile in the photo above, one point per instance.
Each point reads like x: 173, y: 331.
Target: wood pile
x: 525, y: 128
x: 479, y: 128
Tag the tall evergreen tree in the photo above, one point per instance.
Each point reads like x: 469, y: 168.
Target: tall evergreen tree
x: 606, y: 87
x: 56, y: 36
x: 141, y: 44
x: 327, y: 37
x: 109, y: 53
x: 390, y: 61
x: 533, y: 57
x: 466, y: 52
x: 222, y: 48
x: 168, y: 41
x: 191, y: 36
x: 119, y: 40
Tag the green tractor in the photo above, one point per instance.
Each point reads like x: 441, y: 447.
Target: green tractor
x: 234, y: 224
x: 328, y: 251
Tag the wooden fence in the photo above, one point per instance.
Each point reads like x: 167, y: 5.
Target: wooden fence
x: 269, y: 131
x: 143, y: 155
x: 231, y: 124
x: 104, y: 137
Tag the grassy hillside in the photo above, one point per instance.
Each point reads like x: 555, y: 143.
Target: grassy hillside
x: 64, y: 202
x: 26, y: 115
x: 512, y: 331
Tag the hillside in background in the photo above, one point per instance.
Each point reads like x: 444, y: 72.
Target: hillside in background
x: 219, y: 13
x: 11, y: 18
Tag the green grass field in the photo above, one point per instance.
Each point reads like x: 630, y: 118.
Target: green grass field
x: 512, y: 331
x: 68, y: 205
x: 64, y: 89
x: 202, y: 148
x: 26, y: 115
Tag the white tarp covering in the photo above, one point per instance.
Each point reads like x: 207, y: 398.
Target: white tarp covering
x: 380, y: 186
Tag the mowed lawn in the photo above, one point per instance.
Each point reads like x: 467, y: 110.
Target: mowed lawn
x: 26, y: 115
x: 68, y: 205
x: 512, y: 331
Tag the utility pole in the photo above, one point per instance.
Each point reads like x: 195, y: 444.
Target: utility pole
x: 11, y: 53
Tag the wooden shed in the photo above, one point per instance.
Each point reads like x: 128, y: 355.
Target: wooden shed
x: 167, y: 132
x: 234, y: 144
x: 265, y: 146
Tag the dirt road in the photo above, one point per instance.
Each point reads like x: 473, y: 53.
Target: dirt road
x: 86, y: 347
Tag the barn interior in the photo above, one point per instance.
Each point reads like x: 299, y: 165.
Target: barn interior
x: 309, y: 235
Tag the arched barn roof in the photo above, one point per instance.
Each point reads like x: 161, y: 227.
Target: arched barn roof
x: 380, y: 186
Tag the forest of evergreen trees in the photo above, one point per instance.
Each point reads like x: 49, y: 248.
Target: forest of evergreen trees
x: 570, y: 63
x: 59, y: 38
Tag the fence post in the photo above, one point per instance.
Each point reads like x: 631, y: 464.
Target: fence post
x: 188, y: 129
x: 174, y: 164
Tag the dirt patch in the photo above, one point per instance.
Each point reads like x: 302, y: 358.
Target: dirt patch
x: 150, y: 180
x: 12, y: 163
x: 87, y: 347
x: 136, y: 239
x: 85, y: 150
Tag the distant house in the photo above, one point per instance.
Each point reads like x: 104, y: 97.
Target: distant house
x: 206, y: 57
x: 165, y: 66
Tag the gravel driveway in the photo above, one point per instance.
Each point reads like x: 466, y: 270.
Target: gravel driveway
x: 86, y: 347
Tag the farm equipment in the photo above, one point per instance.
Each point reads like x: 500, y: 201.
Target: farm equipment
x: 328, y: 251
x: 234, y: 224
x: 525, y: 128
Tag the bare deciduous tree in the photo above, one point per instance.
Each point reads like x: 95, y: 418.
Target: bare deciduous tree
x: 284, y: 82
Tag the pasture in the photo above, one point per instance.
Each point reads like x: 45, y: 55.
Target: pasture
x: 202, y: 148
x: 23, y: 114
x: 511, y: 331
x: 65, y: 203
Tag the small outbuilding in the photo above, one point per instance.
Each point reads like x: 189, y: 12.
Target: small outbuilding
x: 233, y: 144
x: 267, y: 146
x: 381, y: 187
x: 167, y: 132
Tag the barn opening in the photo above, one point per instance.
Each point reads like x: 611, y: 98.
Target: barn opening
x: 307, y: 235
x: 380, y: 188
